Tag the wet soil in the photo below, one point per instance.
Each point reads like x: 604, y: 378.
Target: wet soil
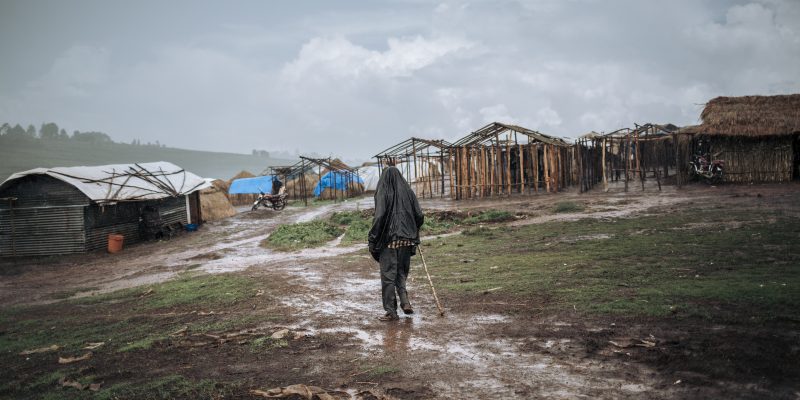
x: 486, y: 346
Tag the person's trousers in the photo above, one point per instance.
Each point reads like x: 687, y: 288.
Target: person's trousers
x: 395, y: 264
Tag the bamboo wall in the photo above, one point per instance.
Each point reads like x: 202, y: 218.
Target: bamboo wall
x: 754, y: 160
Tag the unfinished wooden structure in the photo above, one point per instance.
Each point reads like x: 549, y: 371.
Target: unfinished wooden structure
x: 630, y: 156
x: 299, y: 179
x: 501, y: 159
x: 336, y: 170
x: 756, y: 136
x: 422, y: 162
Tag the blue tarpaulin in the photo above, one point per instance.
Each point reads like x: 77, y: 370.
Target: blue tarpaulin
x: 251, y: 185
x: 337, y: 180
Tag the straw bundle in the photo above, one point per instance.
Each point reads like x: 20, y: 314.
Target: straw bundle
x: 214, y: 205
x: 294, y: 188
x: 353, y: 189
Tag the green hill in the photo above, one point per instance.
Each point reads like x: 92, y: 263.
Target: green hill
x: 21, y: 155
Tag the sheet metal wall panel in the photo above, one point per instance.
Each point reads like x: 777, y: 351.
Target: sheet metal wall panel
x: 123, y: 219
x: 42, y: 191
x: 42, y: 231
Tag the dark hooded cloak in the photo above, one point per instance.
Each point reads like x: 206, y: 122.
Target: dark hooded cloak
x: 397, y: 212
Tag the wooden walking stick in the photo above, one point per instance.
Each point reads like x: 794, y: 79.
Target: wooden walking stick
x: 433, y: 289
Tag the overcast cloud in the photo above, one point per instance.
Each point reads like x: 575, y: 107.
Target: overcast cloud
x: 352, y: 78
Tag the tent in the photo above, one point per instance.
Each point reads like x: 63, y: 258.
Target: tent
x: 371, y: 175
x: 254, y: 185
x: 337, y: 181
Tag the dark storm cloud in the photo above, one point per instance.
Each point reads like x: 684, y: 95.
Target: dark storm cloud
x: 352, y: 78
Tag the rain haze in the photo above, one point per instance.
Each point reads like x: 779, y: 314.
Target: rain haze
x: 352, y: 78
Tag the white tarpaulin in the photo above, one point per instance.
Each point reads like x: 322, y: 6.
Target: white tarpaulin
x: 124, y: 182
x: 371, y: 175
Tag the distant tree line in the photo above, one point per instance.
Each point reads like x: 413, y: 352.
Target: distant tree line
x: 51, y: 132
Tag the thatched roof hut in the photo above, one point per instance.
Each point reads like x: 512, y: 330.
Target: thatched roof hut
x: 757, y: 136
x: 753, y: 116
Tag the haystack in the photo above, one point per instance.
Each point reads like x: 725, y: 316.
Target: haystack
x: 353, y: 189
x: 214, y: 202
x: 294, y: 187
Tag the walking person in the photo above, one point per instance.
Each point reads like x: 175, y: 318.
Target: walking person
x: 394, y: 237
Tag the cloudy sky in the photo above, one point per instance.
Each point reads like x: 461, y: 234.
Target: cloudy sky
x: 350, y: 78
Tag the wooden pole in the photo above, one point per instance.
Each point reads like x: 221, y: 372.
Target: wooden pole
x: 521, y: 170
x: 414, y: 150
x: 639, y: 164
x: 535, y: 151
x: 605, y: 172
x: 430, y: 281
x: 491, y: 167
x: 450, y: 172
x: 678, y: 176
x: 627, y: 158
x: 559, y: 181
x: 546, y: 166
x: 508, y: 167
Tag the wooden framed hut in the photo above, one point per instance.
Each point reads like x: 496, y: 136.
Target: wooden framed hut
x: 49, y: 211
x: 502, y: 159
x: 756, y: 136
x: 423, y: 164
x: 625, y: 155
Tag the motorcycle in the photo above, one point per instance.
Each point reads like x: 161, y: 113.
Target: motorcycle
x: 277, y: 202
x: 711, y: 172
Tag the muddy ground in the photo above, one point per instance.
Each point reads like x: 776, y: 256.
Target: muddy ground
x: 491, y: 345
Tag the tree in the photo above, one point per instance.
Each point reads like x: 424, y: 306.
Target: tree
x: 31, y: 131
x: 17, y: 131
x: 49, y: 131
x: 94, y: 137
x: 4, y: 129
x: 63, y: 135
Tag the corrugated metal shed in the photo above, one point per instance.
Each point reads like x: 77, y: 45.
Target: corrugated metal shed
x: 42, y: 214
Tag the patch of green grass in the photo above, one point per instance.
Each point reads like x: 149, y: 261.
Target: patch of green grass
x: 167, y: 387
x: 653, y: 265
x: 489, y: 216
x: 187, y: 289
x: 435, y: 226
x: 302, y: 235
x: 267, y: 343
x: 378, y: 371
x: 568, y: 206
x: 32, y: 327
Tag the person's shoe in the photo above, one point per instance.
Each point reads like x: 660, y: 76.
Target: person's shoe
x: 405, y: 305
x: 388, y: 317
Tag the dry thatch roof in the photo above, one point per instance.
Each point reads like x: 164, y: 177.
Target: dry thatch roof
x: 750, y: 116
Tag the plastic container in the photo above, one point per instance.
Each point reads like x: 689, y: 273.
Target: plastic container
x: 115, y: 242
x: 191, y: 227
